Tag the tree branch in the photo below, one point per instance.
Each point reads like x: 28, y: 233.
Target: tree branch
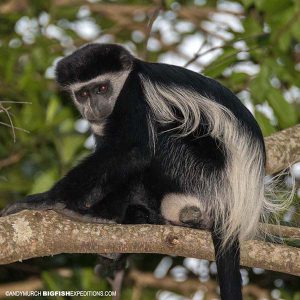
x: 33, y: 234
x: 292, y: 233
x: 283, y: 149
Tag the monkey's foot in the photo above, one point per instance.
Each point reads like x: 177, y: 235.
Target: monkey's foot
x: 113, y: 270
x: 192, y: 216
x: 140, y: 214
x: 108, y: 264
x: 112, y: 256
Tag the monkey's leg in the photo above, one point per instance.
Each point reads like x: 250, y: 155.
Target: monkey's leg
x: 108, y: 265
x: 132, y: 202
x: 143, y: 207
x: 141, y: 214
x: 113, y: 270
x: 87, y: 183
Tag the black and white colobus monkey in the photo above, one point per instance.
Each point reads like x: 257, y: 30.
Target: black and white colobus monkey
x: 167, y: 139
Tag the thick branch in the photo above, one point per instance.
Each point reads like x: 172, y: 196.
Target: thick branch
x: 283, y: 149
x: 291, y: 233
x: 33, y: 234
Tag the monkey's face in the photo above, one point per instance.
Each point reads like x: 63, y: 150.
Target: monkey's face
x: 96, y: 98
x: 94, y: 75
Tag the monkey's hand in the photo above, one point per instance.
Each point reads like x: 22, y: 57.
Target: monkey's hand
x: 43, y: 201
x: 40, y: 201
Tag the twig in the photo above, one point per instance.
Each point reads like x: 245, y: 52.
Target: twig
x: 14, y: 102
x: 225, y: 58
x: 8, y: 114
x: 287, y: 26
x: 12, y: 159
x: 197, y: 55
x: 14, y: 127
x: 149, y: 28
x: 11, y: 125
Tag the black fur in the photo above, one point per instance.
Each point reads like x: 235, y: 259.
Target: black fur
x: 90, y: 61
x: 228, y: 266
x: 123, y: 180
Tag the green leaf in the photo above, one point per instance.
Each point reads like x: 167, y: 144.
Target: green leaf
x: 236, y: 81
x: 252, y: 26
x: 68, y: 146
x: 53, y: 283
x: 264, y: 123
x: 274, y: 6
x: 52, y: 109
x: 44, y: 181
x: 248, y: 3
x: 260, y: 85
x: 295, y: 30
x: 283, y: 110
x: 226, y: 59
x: 284, y: 41
x: 87, y: 276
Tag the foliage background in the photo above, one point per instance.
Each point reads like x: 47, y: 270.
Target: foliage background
x: 251, y: 46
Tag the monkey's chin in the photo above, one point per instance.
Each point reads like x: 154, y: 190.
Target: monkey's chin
x: 98, y: 128
x: 97, y: 120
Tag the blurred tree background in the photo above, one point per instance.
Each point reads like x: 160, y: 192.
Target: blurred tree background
x: 251, y: 46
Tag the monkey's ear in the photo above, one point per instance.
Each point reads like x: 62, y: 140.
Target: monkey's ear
x: 61, y: 74
x: 126, y: 59
x: 126, y: 62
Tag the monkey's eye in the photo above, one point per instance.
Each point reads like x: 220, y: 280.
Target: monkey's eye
x: 82, y: 95
x: 102, y: 88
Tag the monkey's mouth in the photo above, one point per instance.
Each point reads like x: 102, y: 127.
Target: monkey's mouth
x: 96, y: 116
x: 92, y: 121
x: 96, y: 122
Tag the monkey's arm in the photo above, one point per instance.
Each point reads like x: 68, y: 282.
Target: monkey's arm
x: 88, y: 182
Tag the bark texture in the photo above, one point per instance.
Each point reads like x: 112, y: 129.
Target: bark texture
x: 33, y: 234
x: 283, y: 149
